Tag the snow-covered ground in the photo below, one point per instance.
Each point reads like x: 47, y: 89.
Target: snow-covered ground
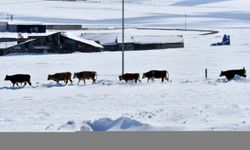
x: 188, y: 102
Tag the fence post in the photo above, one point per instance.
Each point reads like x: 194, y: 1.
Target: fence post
x: 206, y: 73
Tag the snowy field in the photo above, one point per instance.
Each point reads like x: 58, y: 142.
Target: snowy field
x: 187, y: 103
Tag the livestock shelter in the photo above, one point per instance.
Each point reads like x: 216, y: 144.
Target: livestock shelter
x: 57, y: 42
x: 113, y: 41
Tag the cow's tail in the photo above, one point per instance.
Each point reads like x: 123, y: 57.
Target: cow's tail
x: 245, y: 73
x: 29, y: 82
x: 167, y: 76
x: 139, y: 78
x: 95, y: 78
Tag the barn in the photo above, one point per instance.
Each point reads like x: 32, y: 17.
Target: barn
x: 57, y: 42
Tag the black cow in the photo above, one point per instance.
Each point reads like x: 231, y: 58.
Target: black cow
x: 130, y: 76
x: 152, y: 74
x: 231, y: 73
x: 18, y: 78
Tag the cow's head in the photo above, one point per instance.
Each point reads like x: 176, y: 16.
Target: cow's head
x: 222, y: 73
x: 49, y: 77
x: 7, y: 77
x: 144, y: 75
x: 121, y: 77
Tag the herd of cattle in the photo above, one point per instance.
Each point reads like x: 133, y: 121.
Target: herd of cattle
x: 92, y: 75
x: 87, y: 75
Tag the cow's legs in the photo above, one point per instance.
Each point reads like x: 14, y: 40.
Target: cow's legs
x: 24, y: 84
x: 66, y: 82
x: 79, y: 81
x: 135, y: 80
x: 13, y: 83
x: 162, y: 79
x: 84, y: 81
x: 71, y: 81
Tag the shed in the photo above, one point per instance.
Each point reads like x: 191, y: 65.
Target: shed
x: 113, y: 41
x: 56, y: 42
x: 26, y: 27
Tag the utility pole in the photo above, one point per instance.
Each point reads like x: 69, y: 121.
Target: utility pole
x: 123, y: 26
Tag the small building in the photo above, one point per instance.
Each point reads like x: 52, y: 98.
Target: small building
x: 113, y: 41
x: 58, y: 42
x: 158, y: 42
x: 26, y: 27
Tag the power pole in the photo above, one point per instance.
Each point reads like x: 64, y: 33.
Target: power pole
x: 123, y: 36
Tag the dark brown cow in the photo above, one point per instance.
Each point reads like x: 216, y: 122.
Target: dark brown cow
x: 231, y: 73
x: 152, y: 74
x: 64, y: 76
x: 130, y: 76
x: 18, y: 78
x: 85, y: 75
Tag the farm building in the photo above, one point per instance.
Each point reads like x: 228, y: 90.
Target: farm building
x: 58, y: 42
x: 26, y: 27
x: 22, y: 27
x: 113, y: 41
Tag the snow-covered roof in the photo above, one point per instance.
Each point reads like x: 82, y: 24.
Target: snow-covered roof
x: 4, y: 45
x: 26, y: 41
x: 24, y: 23
x: 158, y: 39
x: 114, y: 38
x: 107, y: 38
x: 42, y: 34
x: 74, y: 37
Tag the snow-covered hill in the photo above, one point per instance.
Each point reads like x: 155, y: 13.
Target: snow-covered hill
x: 200, y: 14
x: 189, y: 102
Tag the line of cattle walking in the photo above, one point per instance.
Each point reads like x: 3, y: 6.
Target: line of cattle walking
x: 87, y: 75
x: 92, y: 75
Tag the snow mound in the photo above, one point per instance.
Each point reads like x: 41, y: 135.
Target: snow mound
x: 122, y: 123
x: 70, y: 125
x: 237, y: 78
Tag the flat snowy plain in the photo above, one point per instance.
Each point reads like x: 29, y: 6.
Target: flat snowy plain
x: 187, y: 103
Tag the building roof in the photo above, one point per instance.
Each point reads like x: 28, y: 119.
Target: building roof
x: 4, y: 45
x: 114, y: 38
x: 108, y: 38
x: 79, y: 39
x: 24, y: 23
x: 158, y: 39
